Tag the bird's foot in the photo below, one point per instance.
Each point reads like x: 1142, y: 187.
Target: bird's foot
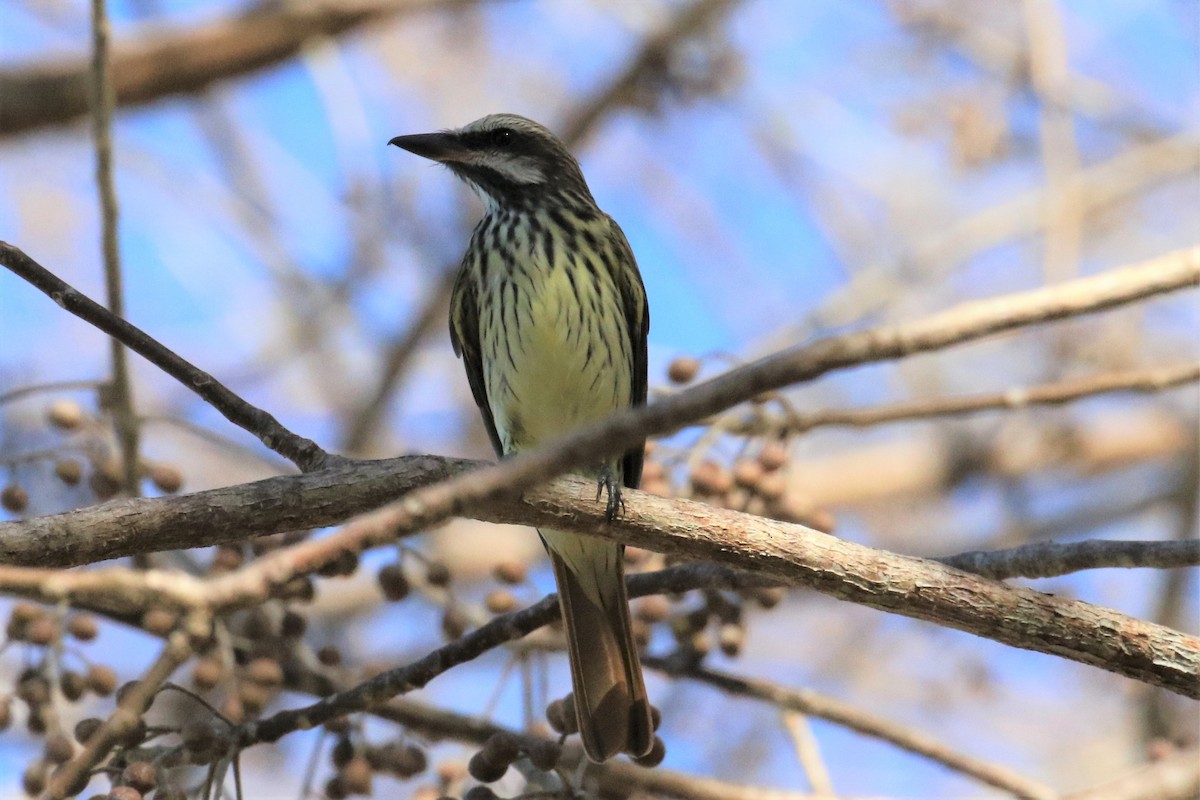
x: 608, y: 481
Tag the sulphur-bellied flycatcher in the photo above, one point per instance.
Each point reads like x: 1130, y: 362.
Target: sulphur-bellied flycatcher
x: 549, y: 315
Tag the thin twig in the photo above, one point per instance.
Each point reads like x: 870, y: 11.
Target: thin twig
x: 1146, y: 380
x: 124, y: 719
x: 302, y: 452
x: 803, y: 701
x: 121, y: 392
x: 46, y: 388
x: 1050, y: 559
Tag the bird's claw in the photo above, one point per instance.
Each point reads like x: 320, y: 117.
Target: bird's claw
x: 616, y: 503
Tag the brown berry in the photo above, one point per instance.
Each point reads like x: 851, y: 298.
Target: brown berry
x: 254, y: 697
x: 83, y: 627
x: 711, y: 479
x: 683, y: 369
x: 167, y: 478
x: 33, y: 780
x: 141, y: 775
x: 652, y: 609
x: 292, y: 626
x: 329, y: 655
x: 65, y: 415
x: 454, y: 622
x: 479, y: 793
x: 33, y: 688
x: 484, y: 769
x: 42, y: 631
x: 69, y: 471
x: 544, y: 754
x: 265, y: 672
x: 655, y: 717
x: 393, y: 583
x: 773, y: 456
x: 124, y: 793
x: 72, y: 685
x: 731, y: 638
x: 227, y: 558
x: 335, y: 789
x: 510, y: 572
x: 500, y: 601
x: 437, y: 574
x: 14, y: 498
x: 748, y: 474
x: 768, y: 597
x: 342, y: 752
x: 104, y: 484
x: 207, y: 673
x: 356, y: 776
x: 656, y: 755
x: 58, y: 748
x: 159, y: 621
x: 101, y: 679
x: 502, y: 748
x: 410, y: 760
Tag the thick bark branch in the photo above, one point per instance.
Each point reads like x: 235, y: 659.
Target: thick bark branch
x: 184, y: 60
x: 775, y: 550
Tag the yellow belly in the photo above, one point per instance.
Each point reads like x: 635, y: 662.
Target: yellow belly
x: 564, y: 358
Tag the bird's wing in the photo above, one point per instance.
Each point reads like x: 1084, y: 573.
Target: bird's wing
x: 464, y: 337
x: 637, y: 317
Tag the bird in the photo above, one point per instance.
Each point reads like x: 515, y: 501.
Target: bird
x: 549, y: 315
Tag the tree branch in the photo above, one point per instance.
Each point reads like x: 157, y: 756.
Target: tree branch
x: 1146, y: 379
x: 1176, y: 777
x: 817, y: 705
x: 185, y: 60
x: 1049, y: 559
x: 102, y: 107
x: 304, y: 453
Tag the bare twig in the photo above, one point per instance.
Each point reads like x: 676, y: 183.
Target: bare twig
x: 1048, y: 559
x: 304, y: 453
x: 651, y: 57
x: 22, y: 392
x: 186, y: 60
x: 1176, y: 777
x: 813, y: 704
x: 121, y: 392
x: 1148, y: 379
x: 125, y: 718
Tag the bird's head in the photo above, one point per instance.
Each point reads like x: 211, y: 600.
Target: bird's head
x: 510, y: 160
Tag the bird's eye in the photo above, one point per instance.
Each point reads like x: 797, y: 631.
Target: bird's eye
x: 501, y: 137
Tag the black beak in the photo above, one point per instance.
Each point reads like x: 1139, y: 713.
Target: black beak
x: 441, y: 147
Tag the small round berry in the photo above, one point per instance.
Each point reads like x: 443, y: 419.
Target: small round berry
x: 66, y: 415
x: 683, y: 369
x: 69, y: 471
x: 393, y: 583
x: 545, y: 754
x: 484, y: 769
x: 510, y: 572
x: 656, y: 755
x: 500, y: 601
x: 437, y: 574
x: 141, y: 775
x: 14, y: 498
x: 167, y: 478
